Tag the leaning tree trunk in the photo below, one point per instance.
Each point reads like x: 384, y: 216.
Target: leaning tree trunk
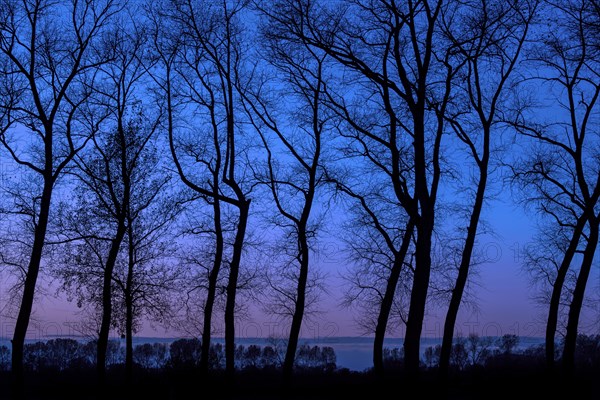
x: 107, y: 302
x: 418, y: 299
x: 212, y: 289
x: 388, y: 299
x: 234, y: 270
x: 557, y: 291
x: 129, y: 306
x: 463, y: 269
x: 578, y: 295
x: 290, y: 355
x: 31, y: 276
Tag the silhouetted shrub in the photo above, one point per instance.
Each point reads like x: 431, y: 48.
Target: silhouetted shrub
x: 216, y: 356
x: 4, y: 358
x: 251, y: 357
x: 393, y: 358
x: 459, y: 356
x: 432, y: 355
x: 115, y: 353
x: 329, y: 358
x: 587, y: 351
x: 315, y: 358
x: 150, y: 355
x: 536, y: 353
x: 270, y: 357
x: 61, y: 353
x: 479, y: 349
x: 87, y: 353
x: 35, y: 356
x: 507, y: 343
x: 185, y: 353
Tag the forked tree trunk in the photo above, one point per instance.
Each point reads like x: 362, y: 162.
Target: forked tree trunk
x: 388, y: 299
x: 102, y: 344
x: 578, y: 296
x: 557, y: 287
x: 465, y: 265
x: 212, y: 289
x: 234, y: 270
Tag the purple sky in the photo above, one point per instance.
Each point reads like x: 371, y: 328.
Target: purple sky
x: 505, y: 299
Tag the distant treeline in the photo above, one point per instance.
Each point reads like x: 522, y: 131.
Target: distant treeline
x: 470, y: 352
x: 67, y: 354
x: 491, y: 352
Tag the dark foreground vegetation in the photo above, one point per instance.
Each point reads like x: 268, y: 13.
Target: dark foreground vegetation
x: 480, y: 368
x: 506, y: 381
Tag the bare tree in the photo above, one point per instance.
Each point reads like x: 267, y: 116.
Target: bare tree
x: 380, y: 246
x: 544, y: 261
x: 389, y: 48
x: 207, y: 59
x: 121, y: 153
x: 488, y: 37
x: 562, y: 171
x: 118, y: 179
x: 146, y: 277
x: 294, y: 164
x: 53, y: 55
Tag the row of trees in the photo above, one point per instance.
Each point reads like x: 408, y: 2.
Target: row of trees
x: 143, y: 133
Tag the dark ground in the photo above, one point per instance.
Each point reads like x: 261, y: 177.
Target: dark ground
x: 506, y: 383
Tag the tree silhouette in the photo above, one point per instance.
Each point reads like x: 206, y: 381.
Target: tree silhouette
x: 114, y: 190
x: 488, y: 37
x: 398, y: 62
x: 146, y: 277
x: 560, y: 176
x: 210, y: 54
x: 51, y: 76
x: 294, y: 165
x: 168, y: 53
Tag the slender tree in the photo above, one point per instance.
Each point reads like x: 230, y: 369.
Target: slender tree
x: 208, y: 61
x: 560, y: 173
x: 146, y: 277
x: 120, y: 153
x: 488, y: 37
x: 380, y: 246
x: 108, y: 173
x: 55, y: 59
x: 294, y: 187
x: 390, y: 48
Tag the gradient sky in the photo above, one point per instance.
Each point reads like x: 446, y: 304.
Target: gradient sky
x: 505, y: 300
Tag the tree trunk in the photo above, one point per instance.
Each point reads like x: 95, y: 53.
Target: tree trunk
x: 129, y: 340
x: 290, y: 355
x: 557, y: 291
x: 129, y: 306
x: 234, y: 269
x: 31, y: 276
x: 107, y: 302
x: 212, y: 289
x: 388, y: 299
x: 418, y: 298
x: 578, y: 296
x: 424, y: 223
x: 463, y: 270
